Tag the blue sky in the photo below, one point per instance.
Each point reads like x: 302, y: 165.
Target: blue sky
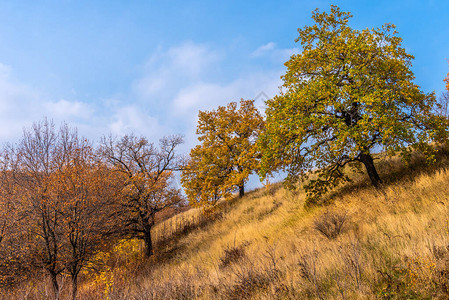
x: 149, y: 66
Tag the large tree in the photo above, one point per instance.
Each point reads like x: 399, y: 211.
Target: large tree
x: 349, y: 94
x: 227, y: 155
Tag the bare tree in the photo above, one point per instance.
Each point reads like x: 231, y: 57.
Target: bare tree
x: 87, y: 191
x: 146, y: 172
x: 36, y: 160
x: 442, y: 107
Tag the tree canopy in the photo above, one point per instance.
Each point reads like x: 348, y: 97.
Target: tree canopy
x: 349, y: 94
x: 227, y: 155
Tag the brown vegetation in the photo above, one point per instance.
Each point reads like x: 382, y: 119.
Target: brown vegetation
x: 62, y: 203
x: 98, y: 218
x: 265, y: 246
x: 146, y: 172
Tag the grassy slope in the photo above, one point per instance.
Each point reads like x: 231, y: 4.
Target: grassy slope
x: 394, y: 245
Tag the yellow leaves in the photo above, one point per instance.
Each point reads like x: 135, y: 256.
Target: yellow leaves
x: 349, y: 92
x: 227, y: 154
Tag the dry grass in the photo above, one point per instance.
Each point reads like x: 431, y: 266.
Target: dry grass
x: 395, y: 245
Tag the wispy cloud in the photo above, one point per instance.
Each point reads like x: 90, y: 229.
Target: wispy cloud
x: 181, y: 80
x: 271, y: 51
x: 65, y: 109
x: 131, y: 119
x: 166, y: 70
x: 264, y: 49
x: 210, y: 95
x: 21, y: 105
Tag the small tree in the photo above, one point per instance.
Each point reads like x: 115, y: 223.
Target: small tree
x: 37, y: 157
x: 87, y: 191
x: 146, y: 173
x: 348, y: 94
x: 227, y: 154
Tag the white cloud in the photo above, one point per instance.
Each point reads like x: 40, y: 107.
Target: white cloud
x: 176, y: 83
x: 166, y: 70
x: 21, y: 105
x: 264, y: 49
x: 180, y: 81
x: 18, y: 105
x: 271, y: 51
x: 210, y: 95
x: 66, y: 109
x: 192, y: 59
x: 131, y: 119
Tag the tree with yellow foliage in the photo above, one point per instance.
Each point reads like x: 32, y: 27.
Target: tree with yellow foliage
x: 349, y: 94
x: 227, y: 155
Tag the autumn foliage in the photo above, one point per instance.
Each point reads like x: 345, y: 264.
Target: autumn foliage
x: 227, y: 155
x: 348, y: 95
x: 63, y: 201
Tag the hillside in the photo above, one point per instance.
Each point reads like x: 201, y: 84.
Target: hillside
x: 393, y: 244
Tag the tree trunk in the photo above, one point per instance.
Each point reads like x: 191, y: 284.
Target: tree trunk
x: 148, y: 242
x: 74, y: 286
x: 241, y: 190
x: 368, y: 161
x: 55, y: 285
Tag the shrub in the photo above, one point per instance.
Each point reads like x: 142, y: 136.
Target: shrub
x: 331, y: 223
x: 232, y: 254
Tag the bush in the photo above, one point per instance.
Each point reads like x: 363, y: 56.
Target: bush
x: 232, y: 254
x: 331, y: 223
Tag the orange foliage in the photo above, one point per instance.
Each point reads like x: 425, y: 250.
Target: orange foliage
x: 57, y: 197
